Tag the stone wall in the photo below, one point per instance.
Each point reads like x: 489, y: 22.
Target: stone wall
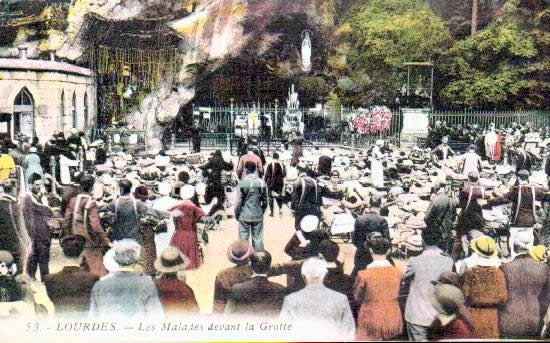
x: 46, y: 88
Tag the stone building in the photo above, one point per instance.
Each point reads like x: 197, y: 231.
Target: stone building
x: 41, y: 97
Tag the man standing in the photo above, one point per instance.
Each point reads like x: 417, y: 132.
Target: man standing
x: 36, y: 216
x: 70, y: 289
x: 321, y: 309
x: 82, y: 218
x: 420, y: 272
x: 471, y: 215
x: 441, y: 214
x: 366, y: 224
x: 528, y: 283
x: 250, y: 207
x: 257, y: 295
x: 524, y: 160
x: 196, y: 136
x: 472, y: 161
x: 275, y: 178
x: 523, y: 197
x: 250, y: 157
x: 126, y: 294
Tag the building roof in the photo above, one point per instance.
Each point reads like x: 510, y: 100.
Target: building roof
x: 42, y: 65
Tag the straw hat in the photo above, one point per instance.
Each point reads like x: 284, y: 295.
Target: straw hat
x: 239, y: 252
x: 309, y: 223
x: 187, y: 192
x: 447, y: 301
x: 171, y: 260
x: 485, y: 246
x: 538, y: 253
x: 164, y: 188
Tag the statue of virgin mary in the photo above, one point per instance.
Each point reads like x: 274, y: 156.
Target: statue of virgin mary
x: 306, y: 52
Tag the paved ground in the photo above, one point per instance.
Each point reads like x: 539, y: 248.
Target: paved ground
x: 277, y: 232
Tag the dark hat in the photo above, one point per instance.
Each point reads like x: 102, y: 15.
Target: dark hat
x: 141, y: 192
x: 329, y: 249
x: 239, y: 252
x: 73, y: 246
x: 524, y: 173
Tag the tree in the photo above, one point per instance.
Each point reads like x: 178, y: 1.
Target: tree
x: 475, y: 4
x: 506, y: 65
x: 376, y: 39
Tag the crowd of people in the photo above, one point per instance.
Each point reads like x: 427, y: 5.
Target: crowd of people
x: 427, y: 265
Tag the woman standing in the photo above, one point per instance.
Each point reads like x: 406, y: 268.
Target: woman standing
x: 376, y: 291
x: 186, y: 215
x: 484, y: 287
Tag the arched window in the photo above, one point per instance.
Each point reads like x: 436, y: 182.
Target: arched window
x: 23, y: 113
x: 62, y: 112
x: 75, y: 115
x: 86, y: 110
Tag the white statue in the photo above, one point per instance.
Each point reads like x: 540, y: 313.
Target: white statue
x: 306, y: 52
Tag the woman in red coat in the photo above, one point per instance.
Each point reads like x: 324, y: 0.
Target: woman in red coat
x: 186, y: 215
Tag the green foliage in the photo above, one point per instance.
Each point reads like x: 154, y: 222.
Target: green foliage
x: 502, y: 66
x: 384, y: 34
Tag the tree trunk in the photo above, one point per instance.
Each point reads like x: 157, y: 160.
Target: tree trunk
x: 474, y: 16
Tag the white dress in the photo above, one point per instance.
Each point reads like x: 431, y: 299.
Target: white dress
x: 162, y: 240
x: 377, y: 169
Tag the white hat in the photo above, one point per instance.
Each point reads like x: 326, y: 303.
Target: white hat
x: 109, y: 261
x: 379, y: 142
x: 187, y: 192
x: 164, y: 188
x: 309, y: 223
x: 201, y: 189
x: 408, y: 163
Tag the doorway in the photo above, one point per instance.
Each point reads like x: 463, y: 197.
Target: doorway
x: 23, y: 114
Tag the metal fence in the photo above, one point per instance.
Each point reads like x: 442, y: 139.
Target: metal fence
x: 537, y: 119
x: 332, y: 126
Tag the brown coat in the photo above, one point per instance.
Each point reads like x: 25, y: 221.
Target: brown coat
x: 70, y: 291
x: 95, y: 236
x: 525, y: 214
x: 257, y: 296
x: 225, y: 280
x: 484, y: 291
x: 471, y: 215
x: 528, y: 283
x: 376, y: 291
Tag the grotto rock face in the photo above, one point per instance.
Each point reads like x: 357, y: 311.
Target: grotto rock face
x: 216, y: 30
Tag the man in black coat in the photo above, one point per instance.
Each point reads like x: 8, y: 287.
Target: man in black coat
x: 257, y: 295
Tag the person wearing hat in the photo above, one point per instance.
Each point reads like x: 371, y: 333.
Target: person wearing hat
x: 176, y: 296
x: 376, y: 166
x: 250, y: 207
x: 186, y: 215
x: 70, y: 289
x: 299, y: 249
x: 298, y: 151
x: 419, y: 272
x: 524, y: 159
x: 257, y: 295
x: 450, y: 323
x: 32, y: 166
x: 320, y: 311
x: 238, y: 253
x: 484, y: 287
x: 471, y: 214
x: 125, y: 294
x: 528, y: 292
x: 164, y: 203
x: 523, y: 197
x: 196, y: 136
x: 274, y: 177
x: 376, y: 292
